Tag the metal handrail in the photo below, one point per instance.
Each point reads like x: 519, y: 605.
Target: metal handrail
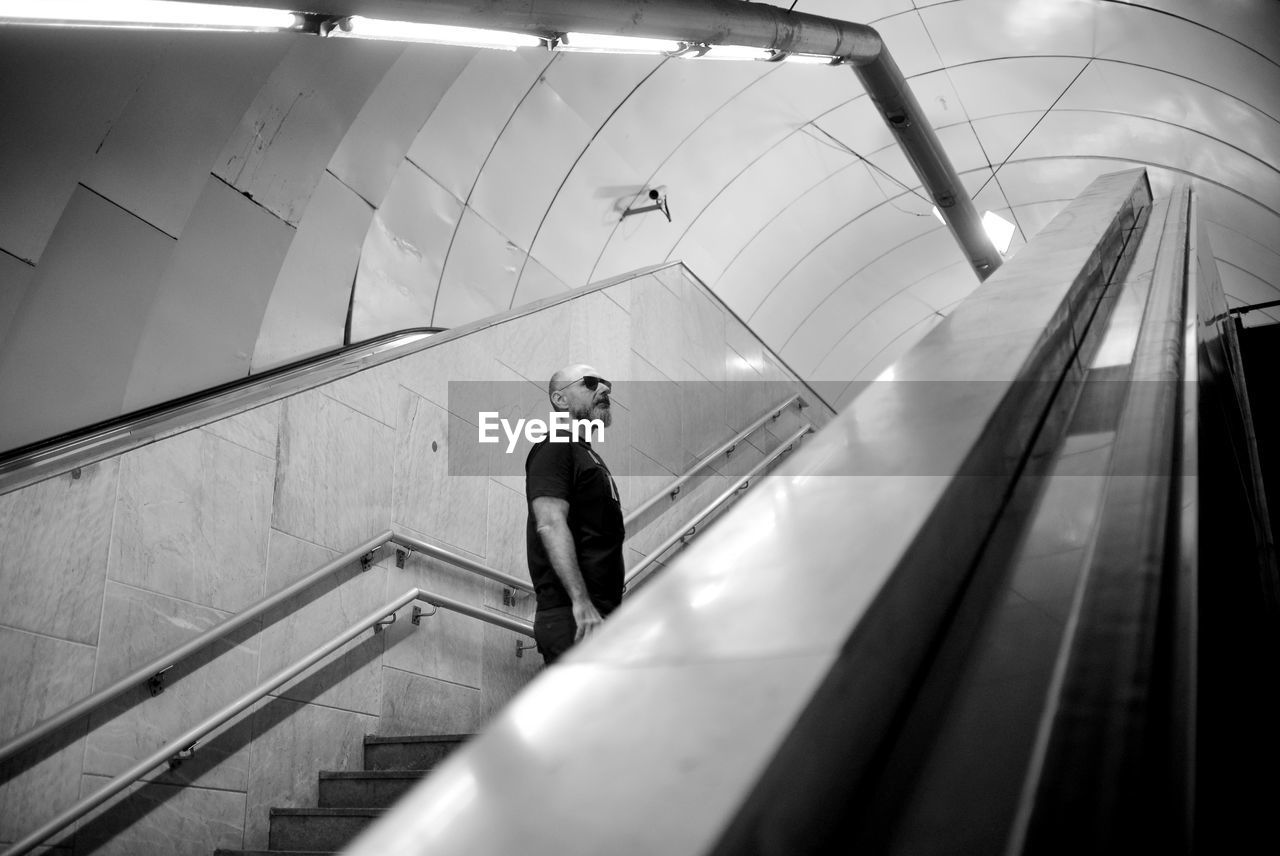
x: 688, y: 530
x: 189, y: 739
x: 460, y: 561
x: 673, y: 489
x: 158, y: 666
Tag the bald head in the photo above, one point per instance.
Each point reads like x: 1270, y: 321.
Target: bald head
x: 566, y: 376
x: 581, y: 400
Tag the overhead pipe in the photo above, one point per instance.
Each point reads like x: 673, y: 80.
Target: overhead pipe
x: 726, y: 22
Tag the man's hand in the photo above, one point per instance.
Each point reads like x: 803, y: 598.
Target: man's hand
x: 587, y: 617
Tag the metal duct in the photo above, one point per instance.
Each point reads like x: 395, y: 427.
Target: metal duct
x: 726, y: 22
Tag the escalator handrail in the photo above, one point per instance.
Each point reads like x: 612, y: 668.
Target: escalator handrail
x: 36, y: 461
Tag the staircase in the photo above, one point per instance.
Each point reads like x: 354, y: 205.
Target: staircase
x: 350, y: 801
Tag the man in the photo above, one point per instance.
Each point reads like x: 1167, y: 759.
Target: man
x: 574, y: 531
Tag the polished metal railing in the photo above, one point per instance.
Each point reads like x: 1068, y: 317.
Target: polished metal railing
x: 182, y: 746
x: 672, y: 491
x: 152, y: 673
x: 641, y: 571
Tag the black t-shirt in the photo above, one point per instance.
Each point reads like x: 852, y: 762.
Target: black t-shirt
x: 574, y: 472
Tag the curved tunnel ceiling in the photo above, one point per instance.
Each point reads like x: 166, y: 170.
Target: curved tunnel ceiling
x: 386, y: 186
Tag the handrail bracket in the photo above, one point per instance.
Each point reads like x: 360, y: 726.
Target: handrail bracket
x: 367, y: 560
x: 155, y: 683
x: 419, y: 613
x: 183, y: 755
x: 402, y: 553
x: 386, y: 622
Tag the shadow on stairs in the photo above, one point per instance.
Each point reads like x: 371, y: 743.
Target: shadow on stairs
x: 350, y: 801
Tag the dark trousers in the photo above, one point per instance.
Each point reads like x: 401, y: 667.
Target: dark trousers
x: 554, y: 629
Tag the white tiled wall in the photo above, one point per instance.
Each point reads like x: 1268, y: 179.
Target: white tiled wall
x: 107, y: 570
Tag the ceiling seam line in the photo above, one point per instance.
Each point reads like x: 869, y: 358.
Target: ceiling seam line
x: 466, y: 203
x: 649, y: 181
x: 547, y: 211
x: 832, y: 293
x: 1045, y: 115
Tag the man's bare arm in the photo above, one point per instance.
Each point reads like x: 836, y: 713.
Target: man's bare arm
x: 551, y: 516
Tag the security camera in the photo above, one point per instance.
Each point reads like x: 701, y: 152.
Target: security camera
x: 653, y: 194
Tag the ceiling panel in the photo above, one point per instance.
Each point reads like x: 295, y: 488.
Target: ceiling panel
x: 831, y: 262
x: 208, y: 309
x: 975, y: 30
x: 866, y: 289
x: 370, y: 154
x: 1013, y: 84
x: 456, y: 139
x: 1129, y: 89
x: 307, y: 311
x: 61, y: 90
x: 530, y: 160
x: 877, y: 332
x: 1132, y: 34
x: 585, y: 213
x: 155, y: 159
x: 290, y: 133
x: 1244, y: 287
x: 479, y: 275
x: 403, y: 255
x: 751, y: 275
x: 1255, y: 23
x: 1261, y: 260
x: 753, y: 198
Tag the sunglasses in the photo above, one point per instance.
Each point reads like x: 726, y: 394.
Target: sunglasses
x: 591, y: 382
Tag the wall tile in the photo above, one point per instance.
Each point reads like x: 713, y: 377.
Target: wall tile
x: 138, y: 626
x: 505, y: 541
x: 505, y: 674
x: 54, y: 539
x: 413, y: 704
x: 33, y: 793
x: 306, y: 312
x: 292, y: 744
x: 429, y: 372
x: 40, y: 676
x: 350, y: 678
x: 375, y: 392
x: 656, y: 328
x: 446, y: 645
x: 159, y: 818
x: 334, y: 473
x: 703, y: 423
x: 256, y: 430
x: 600, y: 334
x: 654, y: 401
x: 537, y: 346
x: 192, y: 520
x: 428, y: 499
x: 704, y: 330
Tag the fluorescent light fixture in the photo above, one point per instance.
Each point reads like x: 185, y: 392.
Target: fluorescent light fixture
x: 357, y: 27
x: 146, y: 14
x: 810, y: 59
x: 938, y: 214
x: 593, y: 43
x: 998, y: 229
x: 731, y: 52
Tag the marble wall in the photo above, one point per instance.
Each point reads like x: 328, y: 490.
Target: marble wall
x: 109, y: 566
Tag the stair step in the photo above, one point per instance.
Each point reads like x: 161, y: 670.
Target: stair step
x: 366, y: 789
x: 409, y: 752
x: 318, y: 828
